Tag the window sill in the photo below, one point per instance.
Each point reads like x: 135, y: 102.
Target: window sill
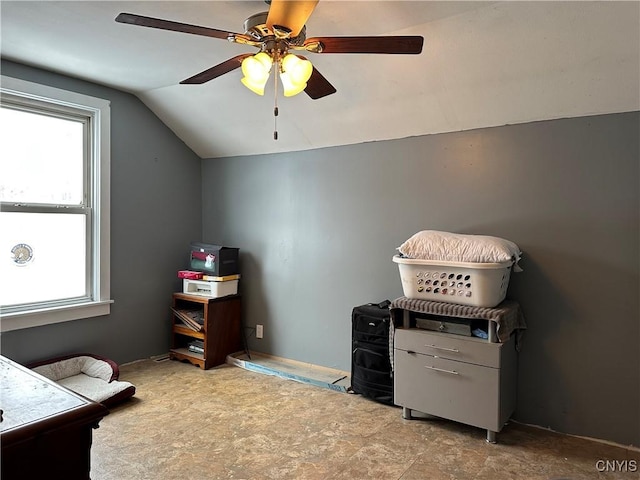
x: 48, y: 316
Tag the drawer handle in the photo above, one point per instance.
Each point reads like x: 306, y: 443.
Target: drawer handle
x: 452, y: 372
x: 455, y: 350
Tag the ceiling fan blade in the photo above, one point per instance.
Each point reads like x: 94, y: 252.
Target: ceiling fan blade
x: 133, y: 19
x: 391, y: 45
x: 218, y: 70
x: 290, y: 14
x: 318, y: 86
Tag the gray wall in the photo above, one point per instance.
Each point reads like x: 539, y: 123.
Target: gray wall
x: 155, y: 212
x: 317, y: 231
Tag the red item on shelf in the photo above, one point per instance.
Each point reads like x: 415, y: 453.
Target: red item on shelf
x: 190, y: 274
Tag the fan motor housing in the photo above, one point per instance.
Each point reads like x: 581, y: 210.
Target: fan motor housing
x: 256, y: 27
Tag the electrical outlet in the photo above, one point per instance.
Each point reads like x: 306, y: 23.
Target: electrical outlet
x: 259, y: 331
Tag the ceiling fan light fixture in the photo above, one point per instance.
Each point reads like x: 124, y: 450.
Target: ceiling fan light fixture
x: 295, y: 73
x: 255, y: 87
x: 274, y: 33
x: 299, y: 70
x: 256, y: 71
x: 291, y: 87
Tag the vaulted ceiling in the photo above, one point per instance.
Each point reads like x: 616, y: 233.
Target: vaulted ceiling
x: 483, y: 64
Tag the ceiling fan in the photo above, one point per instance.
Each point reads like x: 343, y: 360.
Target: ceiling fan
x: 277, y: 33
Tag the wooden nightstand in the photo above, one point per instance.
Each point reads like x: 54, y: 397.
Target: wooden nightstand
x: 221, y: 329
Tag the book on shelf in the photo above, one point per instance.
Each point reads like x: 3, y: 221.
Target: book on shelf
x: 196, y: 346
x: 194, y: 319
x: 225, y: 278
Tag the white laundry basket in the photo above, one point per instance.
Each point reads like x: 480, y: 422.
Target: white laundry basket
x: 476, y: 284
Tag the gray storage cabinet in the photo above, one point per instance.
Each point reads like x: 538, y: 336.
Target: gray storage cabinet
x: 466, y: 379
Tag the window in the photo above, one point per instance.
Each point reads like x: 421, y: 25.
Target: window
x: 54, y: 218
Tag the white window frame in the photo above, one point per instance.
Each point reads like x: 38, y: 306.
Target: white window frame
x: 27, y: 93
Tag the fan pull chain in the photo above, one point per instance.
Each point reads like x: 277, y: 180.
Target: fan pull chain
x: 275, y: 104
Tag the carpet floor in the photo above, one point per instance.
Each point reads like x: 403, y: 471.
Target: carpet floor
x: 229, y: 423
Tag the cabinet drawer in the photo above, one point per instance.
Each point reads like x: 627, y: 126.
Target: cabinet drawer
x: 458, y: 391
x: 452, y: 347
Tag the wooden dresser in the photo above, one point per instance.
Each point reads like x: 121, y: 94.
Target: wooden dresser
x: 46, y: 429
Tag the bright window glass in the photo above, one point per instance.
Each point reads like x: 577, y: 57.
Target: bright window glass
x: 58, y: 264
x: 54, y: 194
x: 41, y: 158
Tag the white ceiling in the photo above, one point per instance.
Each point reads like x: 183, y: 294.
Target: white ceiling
x: 483, y: 64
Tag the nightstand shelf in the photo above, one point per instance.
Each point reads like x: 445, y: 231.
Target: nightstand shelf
x: 221, y: 329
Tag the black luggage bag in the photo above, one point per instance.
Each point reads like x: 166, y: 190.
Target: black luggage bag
x: 371, y: 372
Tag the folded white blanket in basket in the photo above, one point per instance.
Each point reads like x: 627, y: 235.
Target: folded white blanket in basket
x: 455, y: 247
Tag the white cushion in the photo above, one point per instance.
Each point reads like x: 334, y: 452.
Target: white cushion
x: 94, y: 388
x: 455, y: 247
x: 87, y: 376
x: 75, y: 365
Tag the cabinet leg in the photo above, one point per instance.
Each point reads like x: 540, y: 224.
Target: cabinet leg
x: 406, y: 413
x: 406, y: 319
x: 491, y: 436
